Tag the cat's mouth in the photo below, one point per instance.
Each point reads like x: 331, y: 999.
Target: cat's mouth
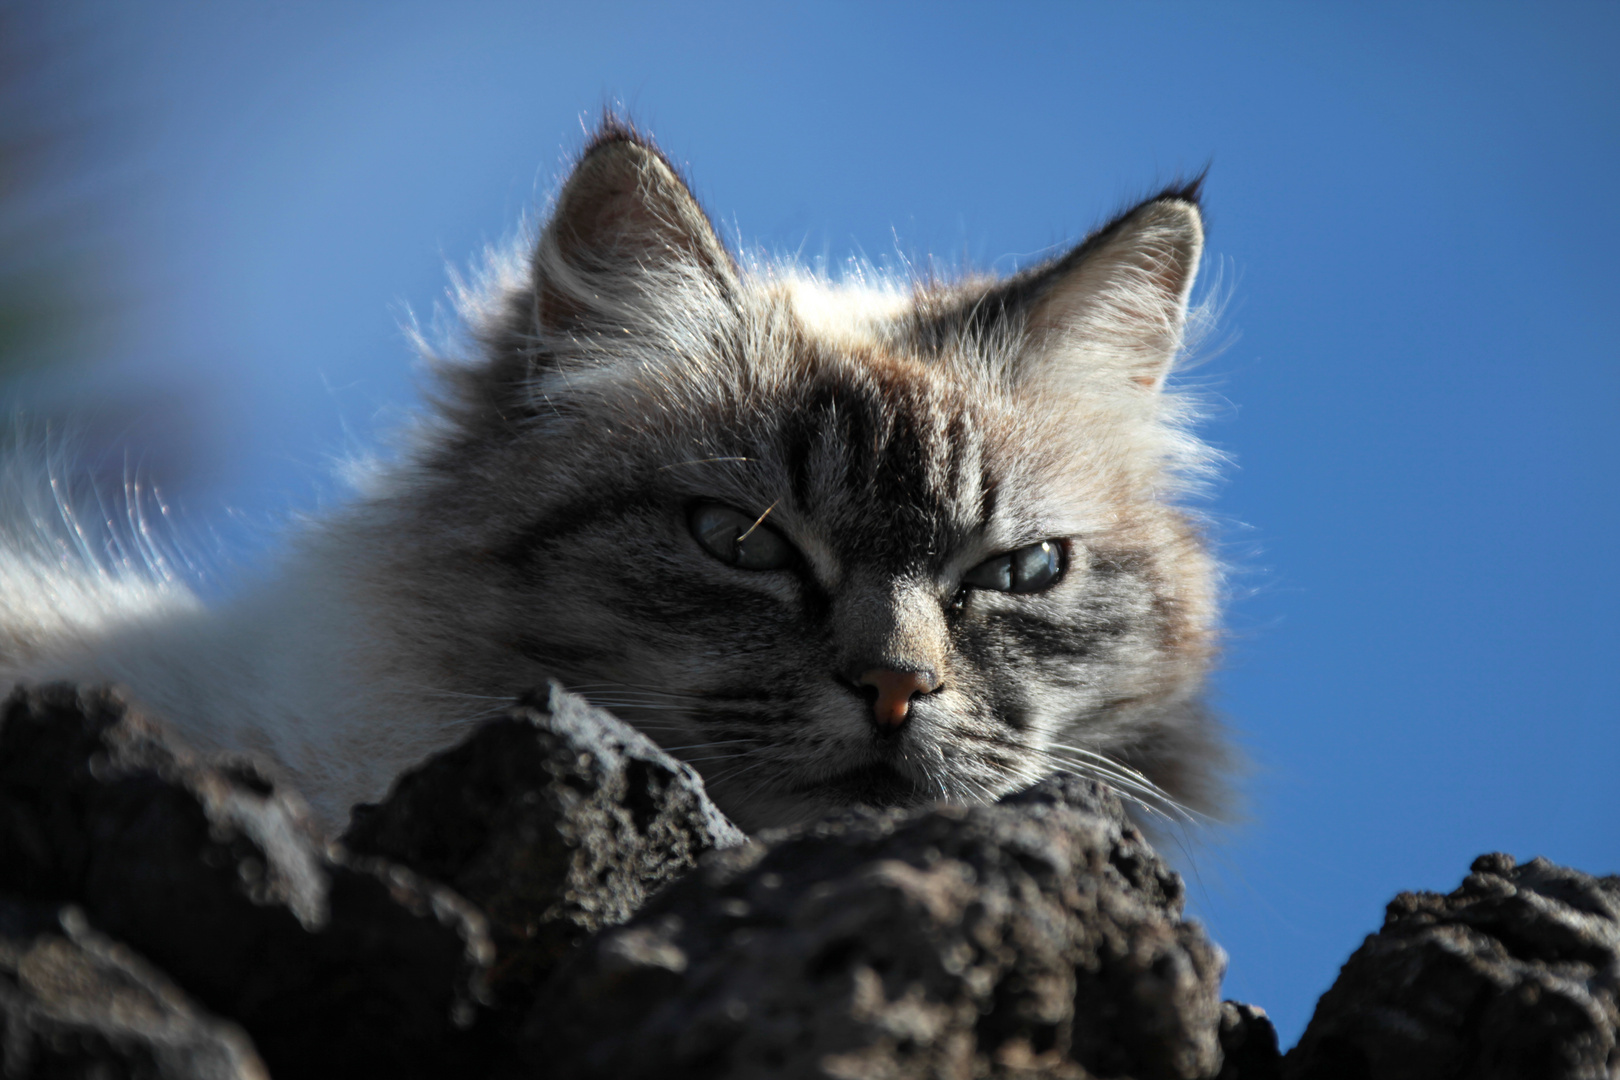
x: 878, y: 784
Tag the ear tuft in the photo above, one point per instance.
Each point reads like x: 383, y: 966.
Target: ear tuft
x: 613, y: 128
x: 1187, y: 191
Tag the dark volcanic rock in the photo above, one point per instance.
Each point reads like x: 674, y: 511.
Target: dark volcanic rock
x: 1248, y: 1044
x: 557, y: 820
x: 1040, y: 936
x: 335, y: 968
x: 73, y: 1003
x: 1514, y: 975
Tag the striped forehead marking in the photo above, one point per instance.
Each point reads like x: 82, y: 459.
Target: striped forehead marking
x: 892, y: 463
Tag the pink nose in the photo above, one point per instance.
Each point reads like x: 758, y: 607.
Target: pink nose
x: 895, y: 689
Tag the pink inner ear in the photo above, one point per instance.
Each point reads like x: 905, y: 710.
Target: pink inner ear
x: 1149, y: 381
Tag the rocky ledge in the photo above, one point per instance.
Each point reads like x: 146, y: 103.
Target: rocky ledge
x: 556, y: 897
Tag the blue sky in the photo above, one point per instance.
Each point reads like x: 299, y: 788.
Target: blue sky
x: 1411, y: 223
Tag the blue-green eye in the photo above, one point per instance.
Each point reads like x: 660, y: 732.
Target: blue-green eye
x: 739, y: 539
x: 1027, y: 570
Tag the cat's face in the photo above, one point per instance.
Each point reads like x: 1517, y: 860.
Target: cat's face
x: 829, y: 546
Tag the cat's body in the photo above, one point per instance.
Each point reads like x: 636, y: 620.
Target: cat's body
x: 830, y: 543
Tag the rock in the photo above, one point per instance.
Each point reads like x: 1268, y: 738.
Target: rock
x: 166, y: 915
x: 1248, y: 1044
x: 557, y: 820
x: 216, y: 875
x: 1037, y: 937
x: 1515, y: 975
x: 73, y: 1003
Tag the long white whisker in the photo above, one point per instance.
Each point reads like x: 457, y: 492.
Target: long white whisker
x: 610, y: 705
x: 1115, y: 768
x: 423, y: 688
x: 1129, y: 783
x: 1116, y: 778
x: 728, y: 775
x: 985, y: 792
x: 706, y: 745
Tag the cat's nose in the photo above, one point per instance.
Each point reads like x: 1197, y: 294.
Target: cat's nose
x: 895, y: 689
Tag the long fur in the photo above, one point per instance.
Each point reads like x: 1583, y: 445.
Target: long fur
x: 622, y: 367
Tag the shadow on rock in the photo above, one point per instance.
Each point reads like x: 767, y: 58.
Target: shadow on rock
x: 217, y: 877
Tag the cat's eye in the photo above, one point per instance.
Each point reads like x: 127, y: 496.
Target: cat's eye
x: 739, y: 539
x: 1027, y: 570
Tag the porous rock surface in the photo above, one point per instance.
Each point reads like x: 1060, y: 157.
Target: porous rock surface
x: 557, y: 819
x: 1037, y: 937
x: 1516, y: 974
x: 217, y: 877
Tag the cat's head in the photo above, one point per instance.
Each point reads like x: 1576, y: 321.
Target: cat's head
x: 832, y: 543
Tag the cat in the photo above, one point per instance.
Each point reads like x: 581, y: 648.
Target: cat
x: 866, y: 542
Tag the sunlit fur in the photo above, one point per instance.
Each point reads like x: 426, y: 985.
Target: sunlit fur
x: 623, y: 367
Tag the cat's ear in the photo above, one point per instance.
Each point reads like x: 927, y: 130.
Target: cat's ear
x: 627, y: 271
x: 1117, y: 304
x: 626, y: 243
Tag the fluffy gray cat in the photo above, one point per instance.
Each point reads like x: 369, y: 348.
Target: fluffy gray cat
x: 832, y: 543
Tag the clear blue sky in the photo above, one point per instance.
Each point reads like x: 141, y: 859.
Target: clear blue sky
x: 1411, y: 217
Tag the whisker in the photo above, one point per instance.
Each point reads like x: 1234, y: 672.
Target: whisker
x: 728, y: 775
x: 1134, y: 782
x: 587, y: 689
x: 1130, y: 784
x: 984, y: 792
x: 702, y: 461
x: 1103, y: 768
x: 706, y: 745
x: 1118, y: 778
x: 761, y: 784
x: 1127, y: 782
x: 424, y: 688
